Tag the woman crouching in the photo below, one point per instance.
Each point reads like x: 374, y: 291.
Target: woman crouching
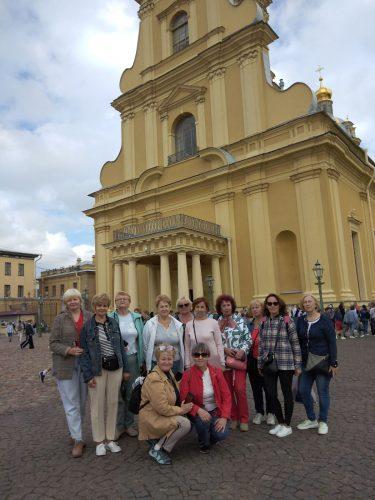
x: 206, y: 386
x: 160, y: 417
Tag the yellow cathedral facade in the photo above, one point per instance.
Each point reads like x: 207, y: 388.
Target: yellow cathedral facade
x: 226, y: 182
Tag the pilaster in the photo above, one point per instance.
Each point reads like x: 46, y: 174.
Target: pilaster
x: 201, y: 122
x: 128, y: 145
x: 151, y: 143
x: 369, y: 242
x: 263, y: 268
x: 102, y: 259
x: 219, y: 116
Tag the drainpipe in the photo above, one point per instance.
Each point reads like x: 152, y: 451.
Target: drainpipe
x: 230, y: 266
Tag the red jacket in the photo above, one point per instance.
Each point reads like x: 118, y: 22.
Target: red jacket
x: 192, y: 382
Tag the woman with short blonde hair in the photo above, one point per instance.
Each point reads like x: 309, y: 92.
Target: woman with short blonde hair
x: 163, y: 328
x: 66, y: 350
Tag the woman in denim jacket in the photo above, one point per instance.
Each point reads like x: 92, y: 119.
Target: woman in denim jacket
x: 104, y: 366
x: 236, y: 342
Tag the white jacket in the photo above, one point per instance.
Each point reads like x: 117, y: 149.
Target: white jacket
x: 149, y: 335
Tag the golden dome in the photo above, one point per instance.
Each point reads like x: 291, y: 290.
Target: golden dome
x: 323, y: 93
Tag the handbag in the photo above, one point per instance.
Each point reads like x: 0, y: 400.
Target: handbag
x: 318, y: 364
x: 136, y: 396
x: 235, y: 364
x: 110, y: 363
x: 270, y: 364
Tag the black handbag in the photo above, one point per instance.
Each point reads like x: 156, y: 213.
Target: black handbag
x: 110, y: 363
x: 270, y: 364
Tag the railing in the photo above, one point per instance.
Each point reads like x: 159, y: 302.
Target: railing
x: 179, y: 221
x: 181, y: 155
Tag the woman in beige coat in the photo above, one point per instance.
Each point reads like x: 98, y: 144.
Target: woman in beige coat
x: 160, y: 418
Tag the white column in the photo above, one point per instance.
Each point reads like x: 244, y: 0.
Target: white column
x: 101, y: 259
x: 117, y: 278
x: 217, y: 289
x: 133, y: 286
x: 165, y: 277
x: 153, y: 289
x: 197, y: 276
x: 182, y: 275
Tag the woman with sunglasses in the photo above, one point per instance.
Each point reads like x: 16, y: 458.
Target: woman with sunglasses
x: 104, y: 365
x: 161, y: 420
x: 205, y: 385
x: 279, y: 359
x: 236, y: 342
x: 206, y: 330
x: 163, y: 329
x: 184, y: 313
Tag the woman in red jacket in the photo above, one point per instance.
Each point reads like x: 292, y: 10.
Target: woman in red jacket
x: 204, y: 385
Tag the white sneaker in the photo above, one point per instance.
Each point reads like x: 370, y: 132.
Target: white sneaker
x: 285, y: 431
x: 271, y: 419
x: 343, y: 338
x: 308, y: 424
x: 276, y: 429
x: 258, y: 419
x: 323, y: 428
x: 113, y: 447
x: 101, y: 450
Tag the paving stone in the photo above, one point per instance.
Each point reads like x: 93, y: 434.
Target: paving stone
x: 35, y: 461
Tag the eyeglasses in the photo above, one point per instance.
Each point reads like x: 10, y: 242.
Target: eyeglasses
x: 165, y: 348
x: 200, y: 355
x: 272, y: 304
x: 184, y: 305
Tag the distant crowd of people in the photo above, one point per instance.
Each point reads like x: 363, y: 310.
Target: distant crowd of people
x: 25, y: 331
x: 189, y: 369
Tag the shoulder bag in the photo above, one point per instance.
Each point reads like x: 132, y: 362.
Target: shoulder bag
x: 316, y: 363
x: 270, y: 364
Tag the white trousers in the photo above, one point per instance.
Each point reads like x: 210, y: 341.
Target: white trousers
x: 105, y: 393
x: 73, y: 396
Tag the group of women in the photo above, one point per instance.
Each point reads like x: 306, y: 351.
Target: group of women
x: 195, y: 369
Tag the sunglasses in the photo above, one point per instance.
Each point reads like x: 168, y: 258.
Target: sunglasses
x: 200, y: 355
x: 272, y: 304
x: 165, y: 348
x: 184, y: 305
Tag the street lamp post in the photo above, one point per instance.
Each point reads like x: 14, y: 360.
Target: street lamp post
x: 85, y: 296
x: 318, y: 273
x: 210, y: 283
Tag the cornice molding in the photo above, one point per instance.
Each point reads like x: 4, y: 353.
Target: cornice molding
x: 220, y: 198
x: 333, y: 174
x: 353, y: 219
x: 258, y: 188
x: 306, y: 175
x: 172, y: 8
x: 247, y: 57
x: 146, y: 9
x: 101, y: 229
x: 363, y: 195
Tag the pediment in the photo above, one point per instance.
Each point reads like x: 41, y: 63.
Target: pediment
x: 181, y: 94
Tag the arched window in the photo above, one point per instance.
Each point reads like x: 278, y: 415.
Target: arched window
x: 185, y: 139
x: 180, y: 32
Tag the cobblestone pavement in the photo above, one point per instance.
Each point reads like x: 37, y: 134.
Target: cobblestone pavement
x: 35, y: 460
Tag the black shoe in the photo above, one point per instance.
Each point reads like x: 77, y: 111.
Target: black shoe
x: 204, y: 449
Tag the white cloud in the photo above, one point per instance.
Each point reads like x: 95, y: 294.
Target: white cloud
x: 338, y: 36
x: 56, y: 125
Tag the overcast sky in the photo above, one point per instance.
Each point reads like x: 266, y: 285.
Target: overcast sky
x: 60, y: 64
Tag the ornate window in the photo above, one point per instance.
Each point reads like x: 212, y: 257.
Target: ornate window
x: 185, y: 139
x: 180, y: 32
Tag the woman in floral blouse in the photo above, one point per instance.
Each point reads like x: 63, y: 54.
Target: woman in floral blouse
x: 236, y: 342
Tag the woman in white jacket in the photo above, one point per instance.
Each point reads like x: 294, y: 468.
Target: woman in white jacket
x: 163, y: 329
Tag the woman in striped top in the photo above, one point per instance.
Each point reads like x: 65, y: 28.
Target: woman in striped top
x: 104, y: 365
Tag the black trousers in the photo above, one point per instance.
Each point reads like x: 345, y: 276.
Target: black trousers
x: 258, y: 387
x: 29, y: 341
x: 286, y: 379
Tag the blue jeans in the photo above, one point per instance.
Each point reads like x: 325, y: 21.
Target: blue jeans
x: 207, y: 434
x: 306, y: 382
